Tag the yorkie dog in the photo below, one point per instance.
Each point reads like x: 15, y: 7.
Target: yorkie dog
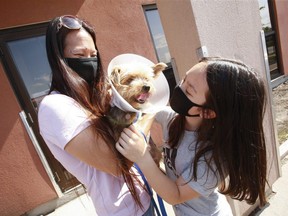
x: 134, y: 83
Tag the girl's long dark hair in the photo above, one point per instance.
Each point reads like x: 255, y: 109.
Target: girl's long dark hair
x: 94, y: 98
x: 235, y: 138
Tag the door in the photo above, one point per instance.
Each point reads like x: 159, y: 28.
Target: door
x: 25, y: 62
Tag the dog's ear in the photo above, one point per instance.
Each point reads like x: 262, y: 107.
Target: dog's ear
x: 115, y: 75
x: 158, y: 68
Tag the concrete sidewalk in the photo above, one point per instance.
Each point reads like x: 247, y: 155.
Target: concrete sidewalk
x: 80, y: 204
x: 278, y: 201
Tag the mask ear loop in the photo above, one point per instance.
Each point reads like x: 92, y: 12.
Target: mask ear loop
x: 196, y: 115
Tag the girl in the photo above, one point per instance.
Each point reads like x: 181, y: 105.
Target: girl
x: 70, y: 121
x: 213, y: 140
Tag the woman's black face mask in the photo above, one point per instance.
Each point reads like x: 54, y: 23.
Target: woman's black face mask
x: 86, y: 68
x: 181, y: 104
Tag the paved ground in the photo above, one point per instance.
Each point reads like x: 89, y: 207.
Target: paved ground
x: 278, y: 201
x: 82, y: 206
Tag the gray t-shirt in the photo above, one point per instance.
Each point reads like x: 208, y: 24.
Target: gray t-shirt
x: 178, y: 163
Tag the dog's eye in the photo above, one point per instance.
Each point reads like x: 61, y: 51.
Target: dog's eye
x: 127, y: 81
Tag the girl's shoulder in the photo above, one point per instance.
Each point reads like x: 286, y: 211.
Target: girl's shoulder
x: 166, y: 113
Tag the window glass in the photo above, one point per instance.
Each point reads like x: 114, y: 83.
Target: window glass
x: 265, y: 15
x: 30, y: 58
x: 270, y: 37
x: 158, y: 36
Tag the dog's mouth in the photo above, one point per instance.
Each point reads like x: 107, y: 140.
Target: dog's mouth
x: 142, y: 98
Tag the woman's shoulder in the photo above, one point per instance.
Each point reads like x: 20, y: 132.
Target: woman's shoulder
x: 56, y: 103
x: 54, y: 97
x: 57, y: 100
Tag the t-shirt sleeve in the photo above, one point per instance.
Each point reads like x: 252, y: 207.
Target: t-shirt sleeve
x: 164, y: 116
x: 60, y: 119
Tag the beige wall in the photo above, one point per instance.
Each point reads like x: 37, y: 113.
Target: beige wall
x: 229, y: 29
x: 181, y: 33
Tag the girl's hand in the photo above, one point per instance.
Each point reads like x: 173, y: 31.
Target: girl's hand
x: 132, y: 144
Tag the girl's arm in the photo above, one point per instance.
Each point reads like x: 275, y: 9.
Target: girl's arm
x: 133, y: 146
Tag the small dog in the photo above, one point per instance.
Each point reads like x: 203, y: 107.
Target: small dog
x: 134, y: 83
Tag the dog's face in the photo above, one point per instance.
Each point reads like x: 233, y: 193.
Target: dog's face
x: 134, y: 82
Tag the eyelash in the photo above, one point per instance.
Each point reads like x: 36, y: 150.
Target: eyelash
x: 188, y: 93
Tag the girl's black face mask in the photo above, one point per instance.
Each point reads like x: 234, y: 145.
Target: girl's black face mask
x: 181, y: 104
x: 86, y: 68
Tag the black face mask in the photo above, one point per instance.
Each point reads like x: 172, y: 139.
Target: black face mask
x: 181, y: 104
x: 86, y: 68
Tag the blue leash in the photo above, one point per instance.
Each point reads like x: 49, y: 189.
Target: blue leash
x: 160, y: 200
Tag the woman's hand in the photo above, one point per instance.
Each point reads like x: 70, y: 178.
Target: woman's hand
x: 132, y: 144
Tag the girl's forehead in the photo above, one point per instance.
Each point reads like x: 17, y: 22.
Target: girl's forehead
x: 197, y: 71
x: 196, y: 76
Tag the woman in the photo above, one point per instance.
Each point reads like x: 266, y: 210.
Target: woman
x: 213, y: 131
x: 71, y: 120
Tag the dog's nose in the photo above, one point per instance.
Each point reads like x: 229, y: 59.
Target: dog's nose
x: 146, y: 88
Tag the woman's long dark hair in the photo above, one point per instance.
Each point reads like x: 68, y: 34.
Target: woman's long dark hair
x: 235, y: 138
x: 94, y: 98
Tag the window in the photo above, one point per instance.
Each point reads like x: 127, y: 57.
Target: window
x: 157, y: 34
x: 29, y: 56
x: 266, y: 14
x: 160, y: 43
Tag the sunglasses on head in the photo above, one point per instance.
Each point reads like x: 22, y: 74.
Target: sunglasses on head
x: 70, y: 22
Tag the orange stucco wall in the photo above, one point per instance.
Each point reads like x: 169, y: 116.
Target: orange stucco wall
x: 282, y: 23
x: 120, y: 27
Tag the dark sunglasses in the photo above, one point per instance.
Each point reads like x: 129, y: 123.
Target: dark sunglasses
x: 70, y: 22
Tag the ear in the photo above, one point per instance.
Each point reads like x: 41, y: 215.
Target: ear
x: 115, y: 75
x: 207, y: 113
x: 158, y: 68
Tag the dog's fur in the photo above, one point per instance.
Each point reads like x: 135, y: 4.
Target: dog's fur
x: 133, y: 82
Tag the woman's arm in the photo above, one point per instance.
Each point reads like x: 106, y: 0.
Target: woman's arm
x: 92, y: 150
x: 133, y: 146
